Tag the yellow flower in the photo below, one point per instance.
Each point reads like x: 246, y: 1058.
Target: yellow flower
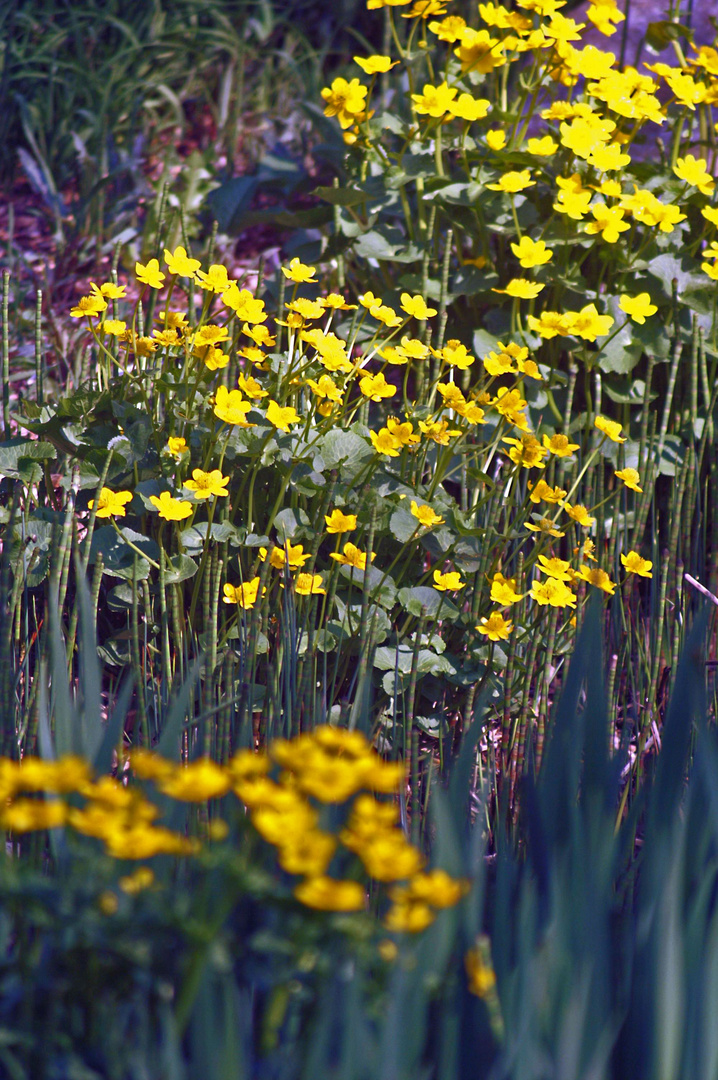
x: 196, y: 782
x: 251, y: 387
x: 597, y: 577
x: 545, y: 526
x: 150, y: 274
x: 109, y: 290
x: 555, y: 568
x: 544, y: 147
x: 328, y: 894
x: 457, y: 355
x: 352, y: 556
x: 409, y: 917
x: 206, y: 484
x: 309, y: 853
x: 376, y: 387
x: 134, y: 883
x: 495, y: 627
x: 425, y: 515
x: 479, y: 972
x: 634, y: 564
x: 559, y: 445
x: 531, y: 253
x: 180, y: 263
x: 299, y: 272
x: 385, y: 443
x: 325, y: 388
x: 543, y: 492
x: 294, y: 554
x: 244, y: 595
x: 469, y: 108
x: 387, y: 856
x: 345, y: 100
x: 31, y: 815
x: 116, y: 327
x: 451, y: 580
x: 386, y: 315
x: 416, y: 306
x: 88, y: 305
x: 579, y: 514
x: 438, y: 431
x: 496, y: 139
x: 449, y: 29
x: 403, y: 432
x: 503, y: 591
x: 338, y: 522
x: 522, y: 289
x: 630, y: 478
x: 231, y: 407
x: 309, y: 585
x: 282, y: 417
x: 695, y: 173
x: 609, y: 428
x: 478, y: 51
x: 111, y: 503
x: 434, y: 887
x: 637, y: 307
x: 608, y: 222
x: 375, y: 65
x: 553, y: 592
x: 171, y: 509
x: 513, y: 182
x: 434, y: 100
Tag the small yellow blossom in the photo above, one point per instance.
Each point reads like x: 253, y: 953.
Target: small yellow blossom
x: 111, y: 503
x: 425, y: 515
x: 150, y: 274
x: 449, y: 581
x: 495, y: 627
x: 206, y: 484
x: 630, y: 478
x: 171, y: 509
x: 610, y: 428
x: 338, y: 522
x: 634, y: 564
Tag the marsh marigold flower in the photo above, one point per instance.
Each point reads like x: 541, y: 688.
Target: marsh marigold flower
x: 634, y: 564
x: 630, y: 478
x: 299, y: 272
x: 375, y: 65
x: 328, y: 894
x: 495, y: 627
x: 338, y: 522
x: 351, y: 556
x: 610, y: 428
x: 425, y: 515
x: 280, y: 417
x: 594, y: 576
x: 244, y: 595
x: 638, y: 307
x: 231, y: 407
x: 345, y: 100
x: 376, y: 387
x: 206, y: 484
x: 416, y: 306
x: 309, y: 585
x: 111, y: 503
x: 450, y: 581
x: 171, y: 509
x: 553, y: 592
x: 180, y: 263
x: 150, y: 274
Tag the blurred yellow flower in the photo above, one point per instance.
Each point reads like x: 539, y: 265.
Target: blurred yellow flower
x: 630, y: 478
x: 150, y: 274
x: 338, y: 522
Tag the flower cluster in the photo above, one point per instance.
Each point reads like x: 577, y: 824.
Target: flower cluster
x: 329, y: 767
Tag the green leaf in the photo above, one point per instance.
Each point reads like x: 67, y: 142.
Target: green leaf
x: 16, y: 457
x: 381, y: 589
x: 403, y: 524
x: 340, y: 196
x: 339, y: 446
x: 181, y: 567
x: 421, y: 597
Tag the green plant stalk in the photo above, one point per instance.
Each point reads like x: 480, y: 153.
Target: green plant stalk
x: 138, y: 673
x: 543, y: 704
x: 657, y: 642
